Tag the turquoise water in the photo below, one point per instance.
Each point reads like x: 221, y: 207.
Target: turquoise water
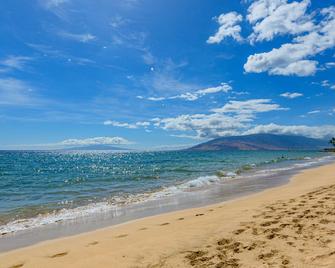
x: 34, y: 184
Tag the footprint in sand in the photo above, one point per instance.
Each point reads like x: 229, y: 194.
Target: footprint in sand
x: 199, y: 214
x: 121, y: 236
x: 57, y: 255
x: 180, y: 219
x: 165, y: 223
x: 238, y: 231
x: 17, y: 265
x: 93, y: 243
x: 142, y: 229
x: 267, y: 256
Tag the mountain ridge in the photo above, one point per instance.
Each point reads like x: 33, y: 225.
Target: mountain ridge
x: 261, y: 142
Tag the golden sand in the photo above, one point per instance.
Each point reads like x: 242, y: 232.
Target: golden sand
x: 287, y: 226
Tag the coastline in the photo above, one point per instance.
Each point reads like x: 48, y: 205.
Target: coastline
x: 194, y: 193
x: 168, y: 240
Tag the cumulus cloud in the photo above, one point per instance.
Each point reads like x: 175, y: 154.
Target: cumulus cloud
x: 249, y: 107
x: 236, y: 118
x: 95, y: 141
x: 231, y: 119
x: 204, y: 125
x: 261, y: 9
x: 84, y: 37
x: 318, y: 132
x: 192, y: 96
x: 271, y: 18
x: 293, y: 58
x: 216, y: 125
x: 314, y: 33
x: 229, y: 27
x: 127, y: 125
x: 291, y: 95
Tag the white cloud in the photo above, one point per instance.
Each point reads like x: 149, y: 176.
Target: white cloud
x: 249, y: 107
x: 261, y: 9
x: 148, y: 58
x: 326, y: 83
x: 17, y: 92
x: 192, y: 96
x: 205, y: 125
x: 156, y: 98
x: 58, y: 54
x: 95, y: 141
x: 293, y: 58
x: 314, y: 112
x: 14, y: 63
x: 118, y: 21
x: 330, y: 64
x: 291, y: 95
x: 271, y: 18
x: 317, y: 132
x: 228, y: 28
x: 84, y: 38
x: 224, y: 87
x: 54, y: 3
x: 57, y: 7
x: 127, y: 125
x: 166, y: 78
x: 193, y: 137
x: 231, y: 119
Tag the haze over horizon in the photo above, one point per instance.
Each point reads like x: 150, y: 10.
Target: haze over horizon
x: 151, y: 74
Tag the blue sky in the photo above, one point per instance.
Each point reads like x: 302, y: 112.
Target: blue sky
x: 160, y: 74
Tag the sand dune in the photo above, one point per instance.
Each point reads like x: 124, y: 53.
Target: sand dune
x: 288, y: 226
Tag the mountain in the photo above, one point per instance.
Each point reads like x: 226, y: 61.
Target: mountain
x: 261, y: 142
x: 97, y: 147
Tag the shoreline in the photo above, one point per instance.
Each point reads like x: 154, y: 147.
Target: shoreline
x: 163, y: 237
x: 248, y: 183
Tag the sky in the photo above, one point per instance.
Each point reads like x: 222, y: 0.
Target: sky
x: 149, y: 74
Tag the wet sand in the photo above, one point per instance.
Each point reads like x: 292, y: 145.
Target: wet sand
x: 288, y: 226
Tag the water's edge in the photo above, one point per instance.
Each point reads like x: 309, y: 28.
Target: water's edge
x: 217, y: 193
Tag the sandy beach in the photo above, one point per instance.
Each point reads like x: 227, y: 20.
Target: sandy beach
x: 288, y: 226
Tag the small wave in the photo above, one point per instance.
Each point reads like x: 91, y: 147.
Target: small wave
x: 226, y: 174
x: 199, y: 182
x: 54, y: 217
x: 113, y: 205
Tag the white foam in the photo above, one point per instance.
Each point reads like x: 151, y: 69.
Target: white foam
x: 114, y: 204
x: 59, y: 216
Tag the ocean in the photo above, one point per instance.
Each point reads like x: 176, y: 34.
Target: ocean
x: 41, y: 188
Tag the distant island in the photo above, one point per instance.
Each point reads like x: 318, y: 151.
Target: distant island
x: 261, y: 142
